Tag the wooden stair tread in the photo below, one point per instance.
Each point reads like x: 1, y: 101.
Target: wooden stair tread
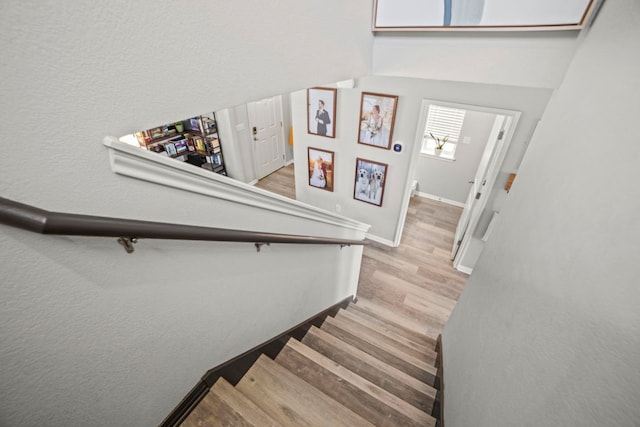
x: 357, y: 336
x: 245, y: 407
x: 225, y: 406
x: 406, y: 387
x: 366, y: 399
x: 292, y: 401
x: 394, y: 318
x: 391, y: 326
x: 409, y: 347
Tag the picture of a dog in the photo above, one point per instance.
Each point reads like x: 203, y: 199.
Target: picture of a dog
x: 375, y: 184
x: 362, y: 183
x: 319, y: 174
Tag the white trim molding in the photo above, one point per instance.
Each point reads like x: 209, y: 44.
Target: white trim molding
x: 440, y: 199
x: 382, y: 240
x: 147, y: 166
x: 463, y: 269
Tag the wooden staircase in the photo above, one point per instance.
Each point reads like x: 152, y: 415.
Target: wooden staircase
x: 356, y: 369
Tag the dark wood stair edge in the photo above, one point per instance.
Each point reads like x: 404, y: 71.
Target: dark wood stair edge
x: 438, y: 403
x: 233, y: 369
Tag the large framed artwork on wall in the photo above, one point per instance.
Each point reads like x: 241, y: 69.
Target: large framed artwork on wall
x: 377, y: 116
x: 370, y: 181
x: 321, y: 111
x: 478, y: 15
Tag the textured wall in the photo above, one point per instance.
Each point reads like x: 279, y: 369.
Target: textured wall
x: 527, y: 59
x: 90, y: 335
x: 547, y: 331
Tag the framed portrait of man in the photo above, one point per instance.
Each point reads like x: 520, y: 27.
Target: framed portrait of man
x: 321, y: 111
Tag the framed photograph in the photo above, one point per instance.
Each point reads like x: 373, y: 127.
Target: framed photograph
x: 320, y: 168
x: 371, y: 178
x: 377, y: 114
x: 478, y: 15
x: 321, y: 111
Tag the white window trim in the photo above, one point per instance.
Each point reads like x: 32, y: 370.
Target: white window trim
x: 448, y: 155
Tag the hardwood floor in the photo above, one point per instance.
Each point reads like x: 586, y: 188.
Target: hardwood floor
x: 280, y: 182
x: 413, y: 285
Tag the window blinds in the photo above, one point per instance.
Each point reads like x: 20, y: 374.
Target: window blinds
x: 443, y: 121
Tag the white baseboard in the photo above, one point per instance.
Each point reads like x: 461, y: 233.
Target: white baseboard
x: 289, y: 162
x: 463, y: 269
x: 440, y: 199
x: 254, y: 182
x: 380, y: 240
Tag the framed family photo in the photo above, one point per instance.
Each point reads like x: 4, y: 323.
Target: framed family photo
x: 321, y: 111
x: 377, y: 115
x: 320, y: 168
x: 371, y: 178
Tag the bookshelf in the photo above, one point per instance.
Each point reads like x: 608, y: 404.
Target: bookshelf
x: 187, y: 139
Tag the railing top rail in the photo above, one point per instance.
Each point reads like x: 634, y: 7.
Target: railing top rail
x: 45, y: 222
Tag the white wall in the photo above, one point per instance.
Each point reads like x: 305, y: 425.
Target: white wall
x: 91, y: 336
x: 383, y: 219
x: 450, y: 179
x: 411, y: 92
x: 547, y: 330
x: 507, y: 58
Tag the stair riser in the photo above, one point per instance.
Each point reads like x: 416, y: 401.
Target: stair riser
x: 357, y: 400
x: 399, y: 363
x: 383, y: 379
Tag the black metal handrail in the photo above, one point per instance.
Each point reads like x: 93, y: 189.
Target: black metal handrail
x: 129, y: 230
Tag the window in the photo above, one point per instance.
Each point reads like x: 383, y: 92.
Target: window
x: 442, y: 122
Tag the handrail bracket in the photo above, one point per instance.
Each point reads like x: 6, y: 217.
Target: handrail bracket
x: 127, y: 243
x: 259, y: 245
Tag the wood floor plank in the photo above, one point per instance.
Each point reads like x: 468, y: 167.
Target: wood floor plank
x: 407, y: 346
x: 408, y: 287
x: 213, y: 411
x: 406, y: 387
x: 393, y: 327
x: 401, y: 317
x: 280, y: 182
x: 364, y: 398
x: 290, y: 400
x: 248, y: 410
x: 358, y: 337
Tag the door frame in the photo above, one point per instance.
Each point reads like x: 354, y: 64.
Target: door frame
x: 415, y: 155
x: 281, y: 138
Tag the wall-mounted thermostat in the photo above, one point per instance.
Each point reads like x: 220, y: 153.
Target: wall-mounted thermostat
x: 397, y: 147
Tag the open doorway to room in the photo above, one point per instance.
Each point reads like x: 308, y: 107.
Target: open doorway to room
x: 474, y: 141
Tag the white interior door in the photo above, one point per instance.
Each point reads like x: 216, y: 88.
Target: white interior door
x: 265, y: 121
x: 477, y: 184
x: 481, y: 186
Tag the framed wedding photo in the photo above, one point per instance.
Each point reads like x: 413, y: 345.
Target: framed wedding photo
x: 321, y: 111
x: 320, y: 168
x: 377, y: 115
x: 371, y: 178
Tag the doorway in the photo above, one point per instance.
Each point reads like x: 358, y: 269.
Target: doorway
x: 267, y: 133
x: 481, y: 178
